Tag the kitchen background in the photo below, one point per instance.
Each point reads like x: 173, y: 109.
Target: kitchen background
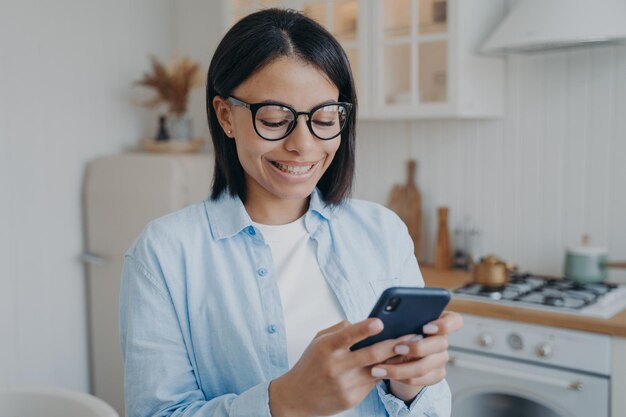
x: 533, y: 182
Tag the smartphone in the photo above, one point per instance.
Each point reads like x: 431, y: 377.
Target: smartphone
x: 405, y: 310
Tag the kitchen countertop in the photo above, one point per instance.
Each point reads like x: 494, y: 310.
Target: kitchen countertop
x: 451, y: 279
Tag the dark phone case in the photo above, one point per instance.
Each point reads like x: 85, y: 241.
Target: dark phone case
x: 418, y: 307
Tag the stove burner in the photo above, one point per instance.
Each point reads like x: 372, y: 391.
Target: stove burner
x: 560, y: 293
x: 553, y: 300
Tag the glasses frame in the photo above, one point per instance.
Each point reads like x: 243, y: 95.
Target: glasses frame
x: 254, y: 108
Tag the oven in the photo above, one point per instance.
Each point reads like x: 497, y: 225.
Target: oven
x: 502, y: 368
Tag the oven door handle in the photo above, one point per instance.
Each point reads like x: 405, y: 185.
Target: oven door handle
x: 475, y: 366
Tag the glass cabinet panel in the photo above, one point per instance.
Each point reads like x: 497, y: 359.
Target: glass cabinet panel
x: 433, y: 71
x: 397, y: 18
x: 353, y: 57
x: 433, y: 16
x: 397, y: 74
x: 345, y: 20
x: 317, y: 12
x: 340, y: 17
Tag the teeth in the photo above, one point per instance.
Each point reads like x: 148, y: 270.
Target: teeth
x: 297, y: 170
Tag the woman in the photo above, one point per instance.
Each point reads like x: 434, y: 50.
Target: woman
x: 246, y: 304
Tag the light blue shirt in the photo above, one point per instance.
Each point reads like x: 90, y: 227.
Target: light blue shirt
x: 201, y: 322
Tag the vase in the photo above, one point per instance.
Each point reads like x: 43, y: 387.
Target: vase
x: 179, y: 127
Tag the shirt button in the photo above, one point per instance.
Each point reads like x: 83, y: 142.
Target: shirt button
x: 261, y: 272
x: 271, y: 329
x: 251, y: 231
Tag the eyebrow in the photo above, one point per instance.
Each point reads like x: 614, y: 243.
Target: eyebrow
x: 293, y: 107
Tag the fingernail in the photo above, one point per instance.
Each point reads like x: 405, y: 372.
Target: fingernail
x: 431, y: 328
x: 376, y: 325
x: 379, y: 372
x: 401, y: 349
x: 416, y: 338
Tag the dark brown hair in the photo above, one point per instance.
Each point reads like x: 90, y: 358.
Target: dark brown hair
x: 255, y: 41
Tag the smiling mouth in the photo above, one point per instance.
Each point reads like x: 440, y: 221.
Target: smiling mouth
x: 294, y: 170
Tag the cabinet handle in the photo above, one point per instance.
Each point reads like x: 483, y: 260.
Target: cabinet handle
x: 462, y: 363
x: 93, y: 259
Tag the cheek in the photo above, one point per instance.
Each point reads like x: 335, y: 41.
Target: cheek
x: 244, y: 126
x: 251, y: 150
x: 331, y: 150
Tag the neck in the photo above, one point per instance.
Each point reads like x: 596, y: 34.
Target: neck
x: 275, y: 211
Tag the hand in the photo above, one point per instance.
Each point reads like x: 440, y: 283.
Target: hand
x: 329, y: 377
x: 422, y: 361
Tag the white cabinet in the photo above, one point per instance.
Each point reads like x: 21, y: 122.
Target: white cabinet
x: 122, y: 194
x: 425, y: 63
x: 411, y: 59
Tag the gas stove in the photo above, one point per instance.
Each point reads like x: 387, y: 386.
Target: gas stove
x: 558, y: 295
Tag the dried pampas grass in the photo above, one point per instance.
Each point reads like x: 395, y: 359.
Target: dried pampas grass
x: 172, y: 83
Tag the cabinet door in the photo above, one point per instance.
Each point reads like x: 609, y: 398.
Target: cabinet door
x: 347, y: 20
x: 411, y: 40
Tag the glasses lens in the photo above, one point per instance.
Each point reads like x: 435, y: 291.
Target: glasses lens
x: 328, y: 121
x: 273, y: 122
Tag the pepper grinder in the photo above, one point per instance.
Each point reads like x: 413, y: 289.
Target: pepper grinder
x: 443, y: 257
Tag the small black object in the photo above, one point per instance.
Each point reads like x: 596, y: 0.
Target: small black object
x: 460, y: 260
x: 162, y: 134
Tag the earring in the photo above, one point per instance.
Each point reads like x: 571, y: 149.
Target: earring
x: 229, y: 132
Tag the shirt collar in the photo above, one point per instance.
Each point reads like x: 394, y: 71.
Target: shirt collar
x: 318, y: 205
x: 227, y: 215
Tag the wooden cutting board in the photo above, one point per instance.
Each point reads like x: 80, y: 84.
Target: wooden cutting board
x: 406, y: 201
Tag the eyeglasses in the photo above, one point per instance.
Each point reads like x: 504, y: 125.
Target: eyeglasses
x: 275, y: 121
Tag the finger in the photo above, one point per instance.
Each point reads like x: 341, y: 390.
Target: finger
x: 372, y: 355
x: 342, y: 324
x: 348, y: 336
x: 365, y: 377
x: 415, y: 369
x: 422, y: 348
x: 430, y: 378
x: 448, y: 322
x: 379, y: 352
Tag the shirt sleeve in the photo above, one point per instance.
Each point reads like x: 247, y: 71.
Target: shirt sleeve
x: 434, y: 400
x: 159, y: 379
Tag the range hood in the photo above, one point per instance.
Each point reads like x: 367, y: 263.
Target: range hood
x: 543, y: 25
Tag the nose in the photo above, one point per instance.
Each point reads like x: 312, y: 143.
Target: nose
x: 300, y: 139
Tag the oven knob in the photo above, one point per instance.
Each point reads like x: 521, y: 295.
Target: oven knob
x: 485, y: 340
x: 544, y: 350
x: 515, y: 341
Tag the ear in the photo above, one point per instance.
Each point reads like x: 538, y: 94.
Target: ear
x: 224, y: 114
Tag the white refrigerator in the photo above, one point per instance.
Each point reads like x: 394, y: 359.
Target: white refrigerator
x: 121, y: 194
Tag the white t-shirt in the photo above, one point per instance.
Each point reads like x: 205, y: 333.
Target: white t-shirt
x: 309, y: 304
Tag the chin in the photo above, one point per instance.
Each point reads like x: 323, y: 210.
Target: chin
x: 294, y: 193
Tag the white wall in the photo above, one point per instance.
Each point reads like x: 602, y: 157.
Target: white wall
x: 533, y: 182
x: 66, y: 74
x: 199, y: 28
